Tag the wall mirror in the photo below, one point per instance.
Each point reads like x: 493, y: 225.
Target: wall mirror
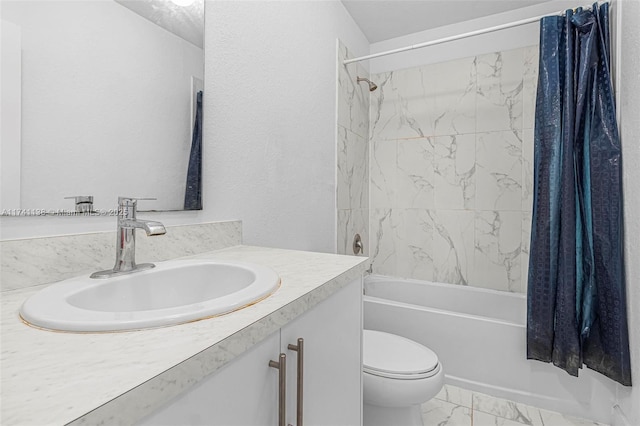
x: 99, y: 98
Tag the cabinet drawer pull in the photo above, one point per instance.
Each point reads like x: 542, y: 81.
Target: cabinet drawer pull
x: 281, y: 365
x: 300, y: 379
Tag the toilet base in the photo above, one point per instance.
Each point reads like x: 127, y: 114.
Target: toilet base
x: 397, y: 416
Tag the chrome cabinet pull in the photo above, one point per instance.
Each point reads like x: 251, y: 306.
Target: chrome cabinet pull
x: 281, y: 365
x: 300, y: 379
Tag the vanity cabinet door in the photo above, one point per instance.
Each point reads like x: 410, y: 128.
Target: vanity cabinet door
x: 243, y: 393
x: 332, y: 388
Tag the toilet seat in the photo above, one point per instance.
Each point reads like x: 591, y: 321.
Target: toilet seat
x: 396, y: 376
x: 396, y: 357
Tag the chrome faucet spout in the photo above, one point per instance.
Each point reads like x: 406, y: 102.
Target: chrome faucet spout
x: 151, y: 227
x: 126, y: 239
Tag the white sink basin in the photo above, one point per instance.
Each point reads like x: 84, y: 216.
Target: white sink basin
x: 173, y: 292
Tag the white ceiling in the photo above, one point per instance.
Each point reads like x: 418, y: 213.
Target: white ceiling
x: 385, y: 19
x: 378, y: 19
x: 186, y: 22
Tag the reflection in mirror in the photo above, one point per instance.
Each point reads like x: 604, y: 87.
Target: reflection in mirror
x: 102, y: 101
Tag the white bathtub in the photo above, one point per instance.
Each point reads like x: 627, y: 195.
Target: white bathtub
x: 480, y: 338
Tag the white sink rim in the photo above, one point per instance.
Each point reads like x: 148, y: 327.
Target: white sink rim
x: 50, y: 309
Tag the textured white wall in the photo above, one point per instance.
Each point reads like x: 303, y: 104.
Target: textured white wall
x: 10, y: 113
x: 269, y: 126
x: 629, y: 398
x: 270, y: 108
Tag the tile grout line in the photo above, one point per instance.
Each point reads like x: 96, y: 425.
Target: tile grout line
x: 472, y: 409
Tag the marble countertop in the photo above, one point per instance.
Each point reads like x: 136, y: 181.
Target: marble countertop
x: 118, y: 378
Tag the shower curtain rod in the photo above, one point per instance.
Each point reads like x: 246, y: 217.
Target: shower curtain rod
x: 452, y: 38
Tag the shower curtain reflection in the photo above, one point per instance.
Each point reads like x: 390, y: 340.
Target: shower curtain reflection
x: 193, y: 193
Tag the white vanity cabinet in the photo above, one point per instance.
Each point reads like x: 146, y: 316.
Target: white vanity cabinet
x: 332, y: 360
x: 245, y: 391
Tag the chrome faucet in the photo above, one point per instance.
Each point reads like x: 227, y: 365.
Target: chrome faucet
x: 126, y: 239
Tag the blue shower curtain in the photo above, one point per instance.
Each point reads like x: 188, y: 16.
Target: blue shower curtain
x: 193, y: 193
x: 576, y: 295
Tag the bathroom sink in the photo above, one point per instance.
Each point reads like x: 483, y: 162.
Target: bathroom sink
x: 173, y: 292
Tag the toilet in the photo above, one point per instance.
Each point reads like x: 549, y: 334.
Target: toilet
x: 398, y: 376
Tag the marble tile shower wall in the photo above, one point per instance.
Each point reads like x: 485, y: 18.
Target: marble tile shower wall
x: 451, y: 170
x: 352, y: 155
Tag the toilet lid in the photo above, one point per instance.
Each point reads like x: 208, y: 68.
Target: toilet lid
x: 391, y: 355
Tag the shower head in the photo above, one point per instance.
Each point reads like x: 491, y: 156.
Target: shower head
x: 372, y: 85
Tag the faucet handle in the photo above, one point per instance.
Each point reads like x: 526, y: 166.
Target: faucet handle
x: 128, y: 206
x: 84, y: 203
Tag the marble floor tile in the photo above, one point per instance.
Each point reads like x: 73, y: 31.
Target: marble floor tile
x: 547, y: 418
x: 510, y: 410
x: 550, y: 418
x: 455, y: 406
x: 484, y: 419
x: 442, y: 413
x: 510, y: 413
x: 456, y: 395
